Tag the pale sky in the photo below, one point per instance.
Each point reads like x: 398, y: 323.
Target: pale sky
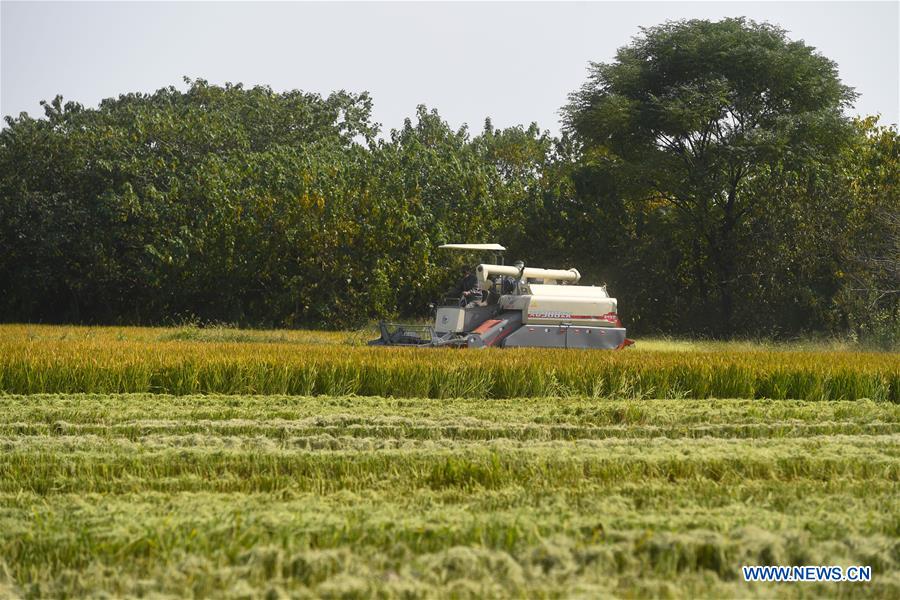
x: 515, y: 62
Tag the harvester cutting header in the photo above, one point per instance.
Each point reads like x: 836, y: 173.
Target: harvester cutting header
x: 516, y: 306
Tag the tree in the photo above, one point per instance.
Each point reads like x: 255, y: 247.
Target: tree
x: 870, y: 263
x: 243, y: 205
x: 694, y: 112
x: 219, y: 202
x: 517, y: 159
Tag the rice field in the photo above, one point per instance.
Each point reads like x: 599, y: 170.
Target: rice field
x: 221, y: 463
x: 36, y: 359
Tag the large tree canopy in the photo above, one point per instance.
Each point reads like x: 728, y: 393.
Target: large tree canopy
x: 695, y: 112
x: 243, y: 205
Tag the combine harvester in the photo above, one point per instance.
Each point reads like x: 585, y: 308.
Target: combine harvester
x: 513, y: 306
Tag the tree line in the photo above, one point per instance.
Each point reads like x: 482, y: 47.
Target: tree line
x: 708, y: 174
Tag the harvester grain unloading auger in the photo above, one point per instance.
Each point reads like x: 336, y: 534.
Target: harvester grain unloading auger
x: 510, y: 306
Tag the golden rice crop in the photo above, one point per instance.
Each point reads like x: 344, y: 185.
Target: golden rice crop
x: 35, y: 360
x: 214, y: 462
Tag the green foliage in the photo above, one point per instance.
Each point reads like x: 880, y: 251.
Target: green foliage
x: 707, y: 147
x: 237, y: 205
x: 869, y: 251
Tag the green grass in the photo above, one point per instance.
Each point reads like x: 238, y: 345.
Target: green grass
x: 255, y: 496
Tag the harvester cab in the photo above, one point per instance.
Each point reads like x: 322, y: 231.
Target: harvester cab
x: 515, y: 306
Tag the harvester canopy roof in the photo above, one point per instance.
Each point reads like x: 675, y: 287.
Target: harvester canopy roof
x: 488, y: 247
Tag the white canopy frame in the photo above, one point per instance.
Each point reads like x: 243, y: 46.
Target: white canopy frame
x: 481, y: 247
